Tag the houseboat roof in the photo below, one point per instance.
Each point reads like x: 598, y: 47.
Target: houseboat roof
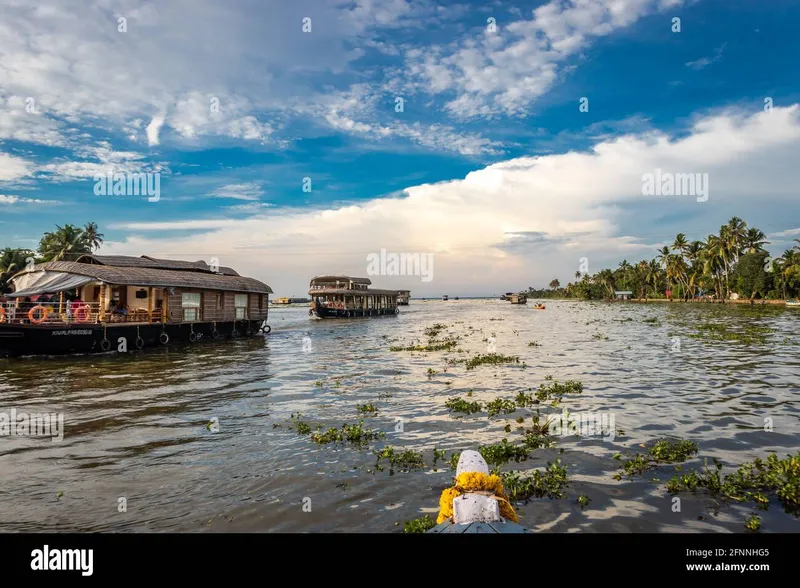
x: 346, y: 292
x: 317, y: 279
x: 146, y: 261
x: 54, y: 276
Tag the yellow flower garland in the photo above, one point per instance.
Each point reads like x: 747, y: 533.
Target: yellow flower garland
x: 475, y: 482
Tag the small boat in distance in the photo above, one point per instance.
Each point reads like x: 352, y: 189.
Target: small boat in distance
x: 345, y: 297
x: 538, y: 306
x: 445, y: 298
x: 792, y: 302
x: 285, y: 300
x: 517, y: 298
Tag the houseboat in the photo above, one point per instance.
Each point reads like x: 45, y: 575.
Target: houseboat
x: 285, y: 301
x: 517, y: 298
x: 445, y: 298
x: 345, y: 297
x: 403, y: 297
x: 103, y: 303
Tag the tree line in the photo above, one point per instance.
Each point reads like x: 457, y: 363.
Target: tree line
x: 64, y: 244
x: 732, y: 261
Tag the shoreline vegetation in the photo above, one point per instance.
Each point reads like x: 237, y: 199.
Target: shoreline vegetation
x: 729, y: 267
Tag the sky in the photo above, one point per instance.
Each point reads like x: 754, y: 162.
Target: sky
x: 505, y: 143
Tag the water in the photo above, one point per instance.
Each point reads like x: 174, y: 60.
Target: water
x: 137, y: 425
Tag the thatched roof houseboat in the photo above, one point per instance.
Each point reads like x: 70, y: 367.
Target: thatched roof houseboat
x: 345, y: 296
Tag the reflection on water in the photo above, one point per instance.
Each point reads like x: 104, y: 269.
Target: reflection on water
x: 143, y: 425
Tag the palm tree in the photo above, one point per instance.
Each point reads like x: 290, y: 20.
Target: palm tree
x: 65, y: 243
x: 555, y: 284
x: 754, y: 240
x: 680, y: 244
x: 12, y: 261
x: 93, y: 238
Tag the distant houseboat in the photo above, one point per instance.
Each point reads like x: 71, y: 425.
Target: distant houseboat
x: 285, y: 301
x: 445, y: 298
x: 403, y: 297
x: 127, y: 303
x: 345, y: 296
x: 517, y: 298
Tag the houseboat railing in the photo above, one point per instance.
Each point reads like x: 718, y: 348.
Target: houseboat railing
x: 51, y: 313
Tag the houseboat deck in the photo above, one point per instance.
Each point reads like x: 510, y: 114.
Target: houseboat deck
x: 345, y: 297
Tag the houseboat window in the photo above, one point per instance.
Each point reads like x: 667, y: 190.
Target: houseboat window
x: 219, y: 296
x: 240, y: 302
x: 190, y: 301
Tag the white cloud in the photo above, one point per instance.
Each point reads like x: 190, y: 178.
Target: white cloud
x: 706, y: 61
x: 153, y: 129
x: 10, y: 199
x: 14, y: 168
x: 516, y: 223
x: 503, y: 72
x: 247, y: 191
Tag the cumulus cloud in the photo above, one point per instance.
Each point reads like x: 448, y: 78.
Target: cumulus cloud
x: 519, y: 222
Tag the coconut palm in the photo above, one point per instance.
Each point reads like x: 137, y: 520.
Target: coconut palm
x: 12, y: 261
x: 65, y: 243
x: 92, y: 237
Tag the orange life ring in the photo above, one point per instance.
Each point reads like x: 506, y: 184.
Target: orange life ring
x: 33, y: 310
x: 82, y: 314
x: 2, y: 314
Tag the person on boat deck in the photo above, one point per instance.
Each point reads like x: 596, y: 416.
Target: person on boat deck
x: 76, y: 304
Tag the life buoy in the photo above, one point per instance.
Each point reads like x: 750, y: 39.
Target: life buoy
x: 139, y: 342
x: 397, y: 311
x: 234, y: 334
x: 82, y: 314
x: 192, y: 337
x: 215, y: 334
x: 347, y: 314
x: 164, y: 338
x: 105, y: 344
x: 32, y: 312
x: 2, y: 314
x: 267, y: 329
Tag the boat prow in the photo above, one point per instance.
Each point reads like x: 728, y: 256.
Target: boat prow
x: 502, y: 526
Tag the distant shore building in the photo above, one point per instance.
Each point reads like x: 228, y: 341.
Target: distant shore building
x: 623, y: 294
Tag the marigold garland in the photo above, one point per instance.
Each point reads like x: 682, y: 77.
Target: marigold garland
x: 475, y: 482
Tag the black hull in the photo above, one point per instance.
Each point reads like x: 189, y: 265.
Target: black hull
x: 323, y: 312
x: 21, y: 340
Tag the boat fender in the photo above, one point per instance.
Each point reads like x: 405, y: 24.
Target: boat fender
x: 397, y: 311
x: 234, y: 334
x: 139, y: 342
x: 267, y: 329
x: 164, y: 338
x: 192, y: 337
x: 347, y: 314
x: 105, y: 344
x: 215, y: 334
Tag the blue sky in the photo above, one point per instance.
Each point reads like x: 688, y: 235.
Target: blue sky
x: 490, y: 165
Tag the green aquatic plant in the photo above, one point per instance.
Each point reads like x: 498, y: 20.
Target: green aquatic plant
x: 462, y: 406
x: 302, y: 427
x: 420, y: 525
x: 501, y: 453
x: 318, y: 383
x: 534, y: 344
x: 752, y: 523
x: 438, y: 455
x: 557, y: 389
x: 353, y: 434
x: 447, y: 345
x: 549, y: 483
x: 599, y: 336
x: 500, y: 405
x: 749, y: 335
x: 491, y: 359
x: 652, y: 321
x: 661, y: 452
x: 750, y: 483
x: 405, y: 461
x: 584, y: 501
x: 367, y: 408
x: 432, y: 331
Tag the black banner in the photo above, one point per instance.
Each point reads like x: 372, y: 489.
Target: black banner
x: 211, y: 556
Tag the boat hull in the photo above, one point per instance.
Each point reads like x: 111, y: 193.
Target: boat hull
x: 324, y: 312
x: 18, y: 340
x: 501, y: 527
